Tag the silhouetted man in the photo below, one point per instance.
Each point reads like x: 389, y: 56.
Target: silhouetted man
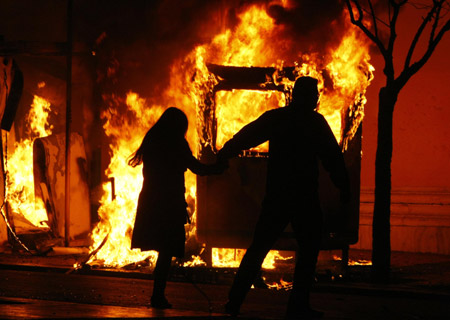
x: 298, y: 137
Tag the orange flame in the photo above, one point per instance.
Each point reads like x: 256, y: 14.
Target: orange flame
x: 251, y: 105
x: 117, y: 212
x: 253, y: 44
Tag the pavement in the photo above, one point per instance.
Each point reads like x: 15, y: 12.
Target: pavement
x: 36, y: 287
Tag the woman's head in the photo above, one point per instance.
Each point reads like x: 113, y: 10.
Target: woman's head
x: 170, y: 127
x: 173, y: 123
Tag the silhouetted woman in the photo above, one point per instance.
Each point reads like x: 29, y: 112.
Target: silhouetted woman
x: 161, y: 210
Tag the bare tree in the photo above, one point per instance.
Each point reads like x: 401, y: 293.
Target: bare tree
x: 367, y: 16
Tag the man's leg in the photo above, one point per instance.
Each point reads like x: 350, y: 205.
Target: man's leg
x: 267, y: 231
x: 308, y: 233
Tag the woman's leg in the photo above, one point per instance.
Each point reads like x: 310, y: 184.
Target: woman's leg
x: 160, y: 274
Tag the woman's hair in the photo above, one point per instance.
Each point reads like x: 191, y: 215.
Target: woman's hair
x: 171, y: 126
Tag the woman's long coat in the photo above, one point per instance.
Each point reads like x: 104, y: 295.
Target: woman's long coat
x: 161, y: 210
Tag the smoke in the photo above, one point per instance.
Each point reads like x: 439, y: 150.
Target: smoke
x: 314, y: 25
x: 136, y: 42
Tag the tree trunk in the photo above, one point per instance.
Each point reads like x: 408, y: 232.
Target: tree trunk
x: 381, y: 254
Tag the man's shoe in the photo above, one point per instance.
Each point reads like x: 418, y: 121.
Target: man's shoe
x: 160, y: 303
x: 306, y: 314
x: 231, y: 309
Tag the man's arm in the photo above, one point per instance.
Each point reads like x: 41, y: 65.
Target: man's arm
x: 199, y: 168
x: 251, y: 135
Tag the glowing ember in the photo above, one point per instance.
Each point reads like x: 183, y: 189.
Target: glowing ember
x: 227, y: 258
x: 195, y: 262
x: 359, y: 262
x: 282, y: 285
x: 231, y: 258
x: 20, y: 178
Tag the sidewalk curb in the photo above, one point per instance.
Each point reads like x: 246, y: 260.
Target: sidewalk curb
x: 383, y: 290
x: 368, y: 289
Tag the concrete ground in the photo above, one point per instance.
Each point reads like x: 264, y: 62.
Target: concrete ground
x: 40, y: 287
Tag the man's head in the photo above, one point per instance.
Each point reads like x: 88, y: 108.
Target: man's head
x: 305, y: 93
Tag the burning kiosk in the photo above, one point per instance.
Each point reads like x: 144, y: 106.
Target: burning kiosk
x: 228, y: 205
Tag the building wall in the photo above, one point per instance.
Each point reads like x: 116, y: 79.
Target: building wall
x: 420, y: 211
x: 420, y: 220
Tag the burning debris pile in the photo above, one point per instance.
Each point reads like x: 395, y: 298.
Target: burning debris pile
x: 19, y: 198
x: 34, y: 164
x: 267, y: 36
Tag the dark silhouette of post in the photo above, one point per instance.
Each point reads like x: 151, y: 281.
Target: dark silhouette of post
x: 68, y: 124
x: 369, y: 20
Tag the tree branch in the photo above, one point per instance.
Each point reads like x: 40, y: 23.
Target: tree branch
x: 436, y: 19
x: 372, y: 12
x: 408, y: 72
x: 392, y: 24
x: 418, y: 34
x: 359, y: 23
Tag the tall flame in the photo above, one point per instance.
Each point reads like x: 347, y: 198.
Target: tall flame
x: 117, y: 211
x: 344, y: 74
x: 20, y: 181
